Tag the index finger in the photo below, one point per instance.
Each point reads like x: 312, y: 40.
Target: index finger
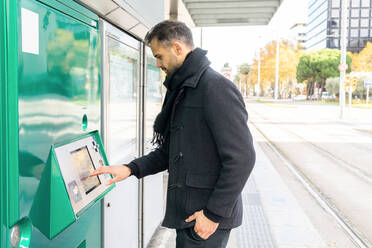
x: 99, y: 171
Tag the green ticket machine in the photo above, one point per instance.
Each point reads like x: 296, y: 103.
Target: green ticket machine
x: 66, y: 190
x: 50, y: 102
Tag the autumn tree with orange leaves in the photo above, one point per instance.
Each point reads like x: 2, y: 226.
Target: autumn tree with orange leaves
x: 288, y: 60
x: 362, y: 62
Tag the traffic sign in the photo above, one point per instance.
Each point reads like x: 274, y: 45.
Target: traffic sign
x: 342, y: 67
x: 368, y: 84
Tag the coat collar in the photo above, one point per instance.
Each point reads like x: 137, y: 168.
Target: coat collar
x: 189, y: 73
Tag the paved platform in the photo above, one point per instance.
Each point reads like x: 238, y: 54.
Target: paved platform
x: 272, y: 217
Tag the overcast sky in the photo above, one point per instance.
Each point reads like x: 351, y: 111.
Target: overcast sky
x: 237, y: 45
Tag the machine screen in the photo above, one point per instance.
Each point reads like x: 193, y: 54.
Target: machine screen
x: 83, y: 161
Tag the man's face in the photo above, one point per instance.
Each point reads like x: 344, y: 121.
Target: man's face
x: 166, y: 56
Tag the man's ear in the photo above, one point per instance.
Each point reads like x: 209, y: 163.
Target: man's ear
x: 178, y: 47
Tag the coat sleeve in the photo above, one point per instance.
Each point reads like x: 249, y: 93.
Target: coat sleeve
x: 226, y: 117
x: 152, y: 163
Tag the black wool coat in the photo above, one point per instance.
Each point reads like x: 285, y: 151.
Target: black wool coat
x: 210, y: 155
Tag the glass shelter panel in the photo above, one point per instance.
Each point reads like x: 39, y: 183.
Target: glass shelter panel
x: 123, y: 73
x: 121, y: 79
x: 153, y: 186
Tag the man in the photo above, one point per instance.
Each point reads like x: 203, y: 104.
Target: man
x: 202, y: 140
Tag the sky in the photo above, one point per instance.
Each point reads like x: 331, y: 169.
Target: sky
x: 237, y: 45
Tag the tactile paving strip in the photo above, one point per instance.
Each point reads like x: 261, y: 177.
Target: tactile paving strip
x: 255, y: 230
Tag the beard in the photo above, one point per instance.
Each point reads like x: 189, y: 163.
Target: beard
x: 172, y: 66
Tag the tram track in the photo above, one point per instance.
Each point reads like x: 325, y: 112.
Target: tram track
x: 350, y: 167
x: 352, y: 232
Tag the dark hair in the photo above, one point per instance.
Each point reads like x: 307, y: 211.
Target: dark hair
x: 167, y: 31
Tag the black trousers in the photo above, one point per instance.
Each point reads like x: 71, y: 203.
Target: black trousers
x: 188, y: 238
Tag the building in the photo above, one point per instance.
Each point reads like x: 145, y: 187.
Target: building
x: 298, y: 34
x: 324, y: 24
x: 226, y: 71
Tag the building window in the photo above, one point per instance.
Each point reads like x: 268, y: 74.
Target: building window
x: 365, y: 13
x: 333, y: 43
x: 354, y: 12
x: 365, y: 3
x: 362, y: 43
x: 354, y: 23
x: 353, y: 43
x: 355, y: 3
x: 336, y: 3
x: 333, y: 23
x: 364, y: 32
x: 354, y: 33
x: 364, y: 23
x: 335, y: 13
x: 334, y: 32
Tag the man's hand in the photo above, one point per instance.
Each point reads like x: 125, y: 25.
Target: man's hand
x: 120, y: 172
x: 204, y: 227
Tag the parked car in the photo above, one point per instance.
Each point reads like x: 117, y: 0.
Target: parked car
x: 327, y: 95
x: 299, y: 97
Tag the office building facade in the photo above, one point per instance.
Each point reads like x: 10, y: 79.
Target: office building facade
x: 324, y: 24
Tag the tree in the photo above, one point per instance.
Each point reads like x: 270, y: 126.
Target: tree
x: 333, y: 85
x: 362, y: 62
x: 241, y: 79
x: 316, y: 67
x: 288, y: 60
x: 244, y: 68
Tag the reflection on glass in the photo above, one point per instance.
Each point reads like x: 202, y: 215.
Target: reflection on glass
x: 122, y: 106
x: 153, y: 94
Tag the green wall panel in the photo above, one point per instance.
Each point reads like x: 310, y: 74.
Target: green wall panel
x: 58, y: 86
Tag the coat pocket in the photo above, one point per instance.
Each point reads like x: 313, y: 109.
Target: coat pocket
x: 199, y: 188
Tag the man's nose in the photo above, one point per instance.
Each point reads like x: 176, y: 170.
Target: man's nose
x: 158, y: 64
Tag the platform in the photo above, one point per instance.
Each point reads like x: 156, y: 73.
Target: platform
x: 272, y: 217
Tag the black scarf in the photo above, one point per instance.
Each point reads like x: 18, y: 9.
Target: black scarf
x: 192, y: 64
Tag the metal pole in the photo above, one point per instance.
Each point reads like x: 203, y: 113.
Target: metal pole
x: 350, y: 96
x: 141, y: 141
x: 259, y: 71
x: 277, y: 70
x: 367, y: 95
x: 344, y: 6
x: 249, y: 82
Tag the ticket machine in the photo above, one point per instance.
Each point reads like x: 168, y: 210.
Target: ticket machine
x: 66, y: 190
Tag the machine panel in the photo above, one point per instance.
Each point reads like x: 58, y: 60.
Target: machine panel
x: 76, y: 161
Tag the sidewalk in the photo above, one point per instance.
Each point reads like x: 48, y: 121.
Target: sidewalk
x: 272, y: 217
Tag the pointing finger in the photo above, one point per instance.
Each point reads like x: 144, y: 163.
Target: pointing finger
x: 99, y: 171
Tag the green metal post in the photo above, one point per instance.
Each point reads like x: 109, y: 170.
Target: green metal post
x: 9, y: 119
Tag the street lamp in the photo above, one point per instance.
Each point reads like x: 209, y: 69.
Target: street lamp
x: 259, y: 72
x: 343, y: 64
x: 277, y: 70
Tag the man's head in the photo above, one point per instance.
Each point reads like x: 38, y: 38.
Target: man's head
x: 170, y: 42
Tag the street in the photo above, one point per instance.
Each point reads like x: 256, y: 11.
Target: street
x: 333, y: 155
